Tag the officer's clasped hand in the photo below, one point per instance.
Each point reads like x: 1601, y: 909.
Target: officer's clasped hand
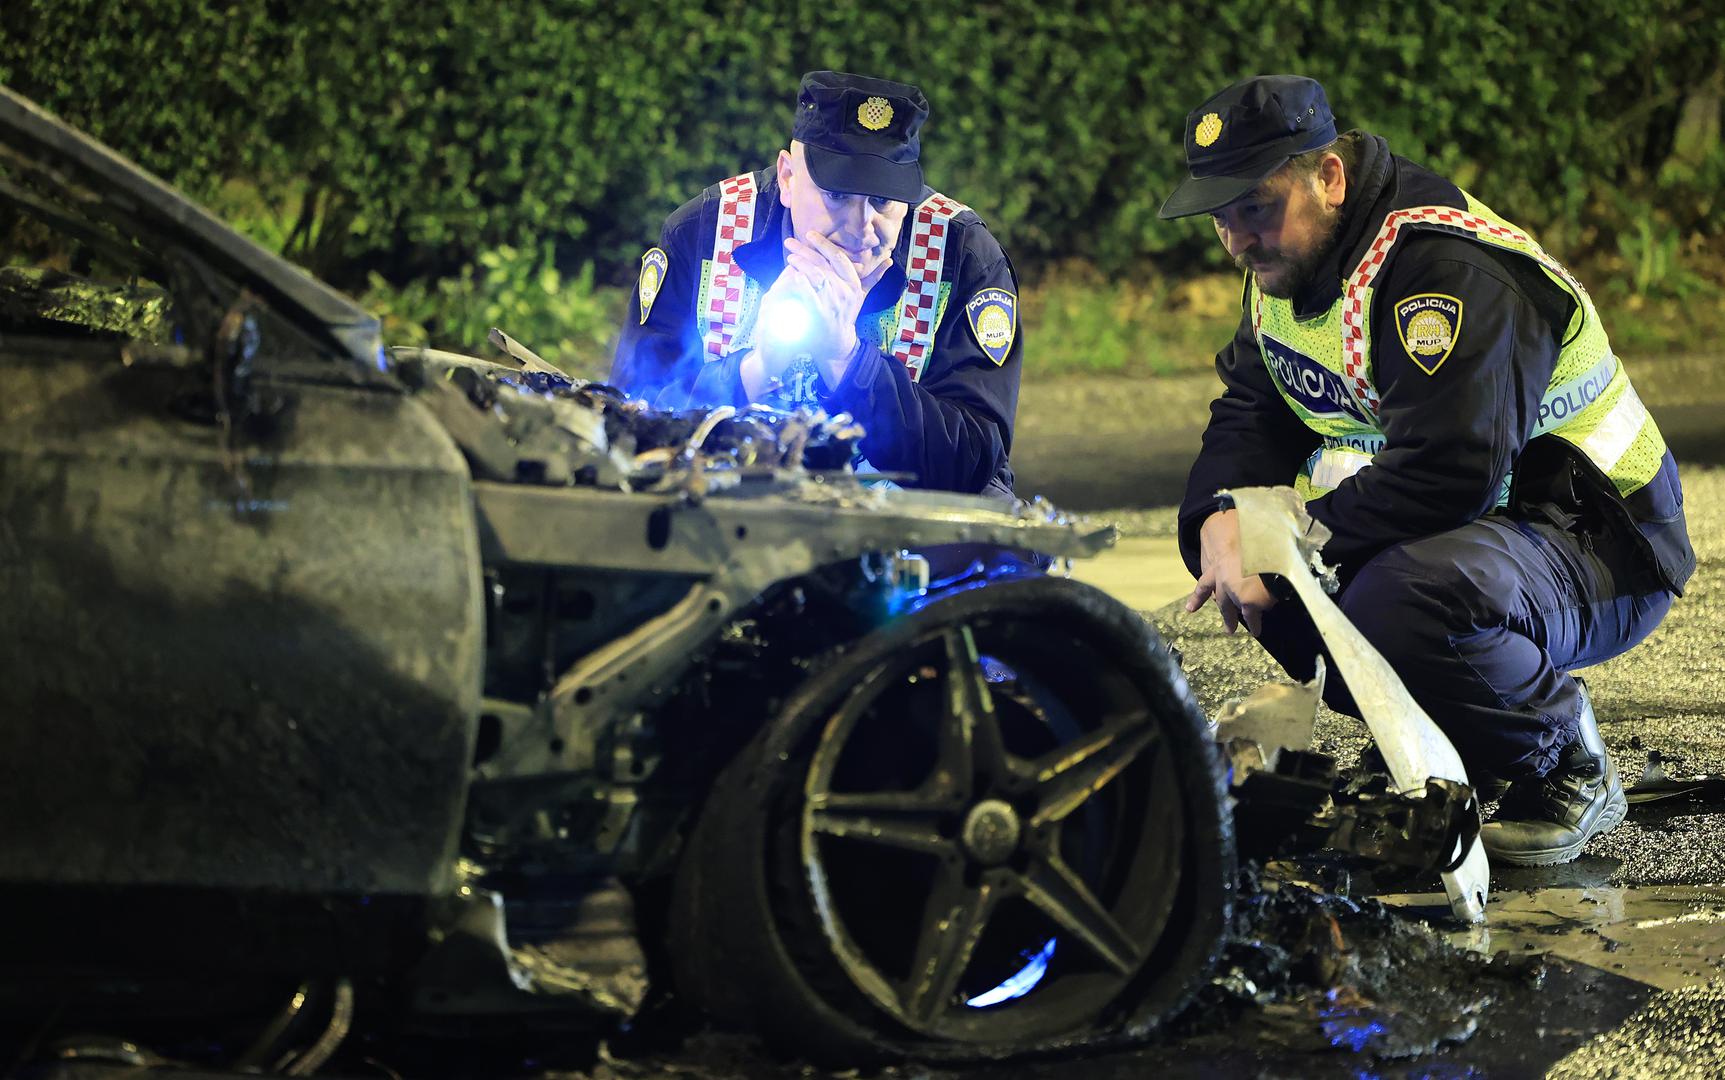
x: 830, y: 280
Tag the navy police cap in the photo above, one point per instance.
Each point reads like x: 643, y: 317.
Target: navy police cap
x: 860, y: 135
x: 1238, y: 138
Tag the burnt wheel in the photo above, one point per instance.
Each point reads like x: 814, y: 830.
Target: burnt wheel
x: 994, y: 825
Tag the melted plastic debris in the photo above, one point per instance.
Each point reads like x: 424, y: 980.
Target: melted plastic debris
x: 1333, y: 972
x: 627, y: 444
x: 723, y: 437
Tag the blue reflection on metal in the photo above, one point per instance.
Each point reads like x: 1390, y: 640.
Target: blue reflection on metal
x: 977, y: 575
x: 902, y: 602
x: 1020, y: 984
x: 996, y: 672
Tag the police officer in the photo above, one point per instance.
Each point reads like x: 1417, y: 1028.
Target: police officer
x: 1503, y: 508
x: 838, y: 279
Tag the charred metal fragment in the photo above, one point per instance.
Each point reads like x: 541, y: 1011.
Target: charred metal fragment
x: 1299, y: 804
x: 1658, y: 785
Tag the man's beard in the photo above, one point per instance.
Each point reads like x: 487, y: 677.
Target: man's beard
x: 1297, y: 271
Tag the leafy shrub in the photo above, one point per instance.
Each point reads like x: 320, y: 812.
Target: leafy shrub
x: 1083, y: 321
x: 405, y: 138
x: 567, y: 321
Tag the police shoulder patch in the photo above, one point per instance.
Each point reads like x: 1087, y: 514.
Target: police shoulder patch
x: 993, y: 315
x: 653, y: 267
x: 1429, y: 325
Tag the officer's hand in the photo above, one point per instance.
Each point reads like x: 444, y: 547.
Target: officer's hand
x: 773, y: 354
x: 1240, y: 597
x: 838, y: 296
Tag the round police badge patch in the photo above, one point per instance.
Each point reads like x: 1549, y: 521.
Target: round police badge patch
x: 1429, y: 324
x: 653, y: 267
x: 993, y: 315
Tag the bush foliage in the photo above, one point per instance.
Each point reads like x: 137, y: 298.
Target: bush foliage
x: 568, y: 321
x: 409, y: 139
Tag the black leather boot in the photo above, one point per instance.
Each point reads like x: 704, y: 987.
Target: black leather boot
x: 1548, y: 820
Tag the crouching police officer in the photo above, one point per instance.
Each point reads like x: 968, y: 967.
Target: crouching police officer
x: 837, y: 279
x: 1503, y: 508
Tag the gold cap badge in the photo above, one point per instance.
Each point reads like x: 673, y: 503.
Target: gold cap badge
x: 1209, y: 130
x: 874, y: 114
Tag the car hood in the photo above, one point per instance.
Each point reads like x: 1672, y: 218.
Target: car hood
x: 125, y: 194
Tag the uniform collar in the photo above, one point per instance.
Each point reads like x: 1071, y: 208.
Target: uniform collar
x: 763, y: 258
x: 1360, y: 213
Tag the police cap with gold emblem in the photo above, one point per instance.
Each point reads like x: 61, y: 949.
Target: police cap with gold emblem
x: 860, y: 135
x: 1238, y: 138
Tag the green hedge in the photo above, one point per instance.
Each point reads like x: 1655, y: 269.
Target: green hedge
x: 409, y: 137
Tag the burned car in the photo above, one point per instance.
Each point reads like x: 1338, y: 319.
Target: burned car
x: 347, y: 682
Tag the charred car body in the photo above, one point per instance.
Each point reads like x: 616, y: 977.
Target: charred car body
x: 400, y: 680
x: 446, y: 684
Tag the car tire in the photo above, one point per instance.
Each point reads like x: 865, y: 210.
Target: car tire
x: 1009, y: 762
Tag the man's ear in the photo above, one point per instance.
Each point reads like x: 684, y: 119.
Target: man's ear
x: 784, y: 170
x: 1333, y: 175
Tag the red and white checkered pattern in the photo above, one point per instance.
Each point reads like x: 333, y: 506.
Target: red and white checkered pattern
x: 930, y: 223
x: 1354, y: 297
x: 724, y: 281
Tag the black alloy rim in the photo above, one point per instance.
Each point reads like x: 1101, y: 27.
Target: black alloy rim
x: 962, y: 806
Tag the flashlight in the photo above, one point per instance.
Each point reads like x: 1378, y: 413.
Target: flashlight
x: 786, y: 319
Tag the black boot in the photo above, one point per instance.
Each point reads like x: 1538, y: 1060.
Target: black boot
x: 1548, y: 820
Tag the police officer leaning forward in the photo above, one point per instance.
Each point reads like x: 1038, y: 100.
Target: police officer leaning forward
x: 912, y: 307
x: 1503, y: 508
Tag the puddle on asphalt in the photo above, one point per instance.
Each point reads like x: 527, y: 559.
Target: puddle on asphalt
x: 1667, y: 936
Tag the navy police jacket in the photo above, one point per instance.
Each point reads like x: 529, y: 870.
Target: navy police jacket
x: 1454, y: 438
x: 951, y: 429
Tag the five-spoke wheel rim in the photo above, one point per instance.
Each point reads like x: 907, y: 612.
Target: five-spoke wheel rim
x: 1043, y: 802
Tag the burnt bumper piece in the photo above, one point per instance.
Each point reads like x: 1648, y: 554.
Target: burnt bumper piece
x: 1298, y: 804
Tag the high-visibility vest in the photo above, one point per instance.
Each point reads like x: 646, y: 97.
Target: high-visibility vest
x: 728, y: 301
x: 1589, y: 401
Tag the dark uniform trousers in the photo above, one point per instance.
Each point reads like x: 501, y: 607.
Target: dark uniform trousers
x: 1482, y: 623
